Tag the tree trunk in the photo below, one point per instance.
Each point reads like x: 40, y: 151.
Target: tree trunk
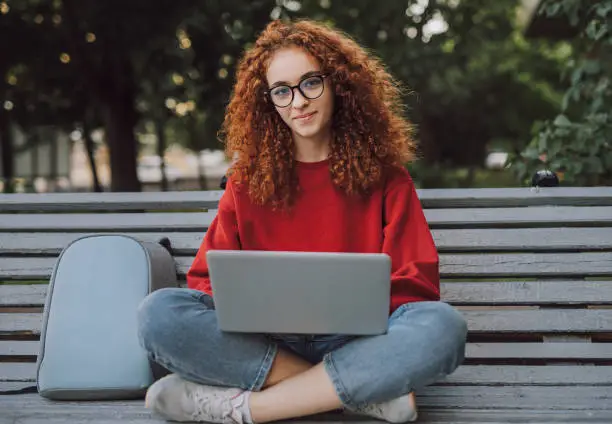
x: 470, y: 178
x: 122, y: 144
x: 201, y: 176
x: 161, y: 150
x: 6, y: 152
x: 89, y: 146
x: 193, y: 143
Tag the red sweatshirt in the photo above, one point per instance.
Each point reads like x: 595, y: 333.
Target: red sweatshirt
x: 323, y: 219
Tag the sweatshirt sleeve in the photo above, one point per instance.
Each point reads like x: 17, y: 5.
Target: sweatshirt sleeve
x: 221, y: 235
x: 408, y: 241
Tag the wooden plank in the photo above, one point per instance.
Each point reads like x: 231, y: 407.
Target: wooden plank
x: 17, y: 371
x: 18, y: 348
x: 509, y: 350
x: 23, y: 295
x: 12, y: 386
x: 517, y: 197
x: 106, y: 221
x: 479, y: 321
x: 447, y: 240
x: 126, y: 415
x: 595, y: 264
x: 70, y: 416
x: 526, y: 265
x: 540, y: 402
x: 51, y: 244
x: 437, y: 219
x: 548, y: 216
x: 34, y: 409
x: 551, y: 292
x: 574, y: 351
x: 517, y: 239
x: 430, y: 198
x: 20, y: 323
x: 46, y: 202
x: 581, y: 351
x: 545, y: 375
x: 135, y: 413
x: 26, y: 268
x: 517, y: 397
x: 527, y: 292
x: 539, y: 321
x: 508, y: 416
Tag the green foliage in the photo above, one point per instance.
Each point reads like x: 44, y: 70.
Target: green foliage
x: 577, y: 143
x: 473, y: 81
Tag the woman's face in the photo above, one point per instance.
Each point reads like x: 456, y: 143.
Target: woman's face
x: 308, y: 113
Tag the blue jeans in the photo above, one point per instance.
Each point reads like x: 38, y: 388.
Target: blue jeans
x: 425, y: 342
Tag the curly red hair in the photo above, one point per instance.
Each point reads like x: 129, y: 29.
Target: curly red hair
x: 370, y: 135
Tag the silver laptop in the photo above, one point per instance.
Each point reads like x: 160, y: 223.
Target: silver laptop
x: 300, y: 292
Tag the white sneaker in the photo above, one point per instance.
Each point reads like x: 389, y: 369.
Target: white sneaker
x: 180, y: 400
x: 400, y: 410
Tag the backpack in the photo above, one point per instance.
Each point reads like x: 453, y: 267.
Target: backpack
x: 89, y: 347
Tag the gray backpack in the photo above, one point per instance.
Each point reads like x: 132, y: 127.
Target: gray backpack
x: 89, y: 346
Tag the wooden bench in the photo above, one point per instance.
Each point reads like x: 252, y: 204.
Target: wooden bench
x: 531, y: 270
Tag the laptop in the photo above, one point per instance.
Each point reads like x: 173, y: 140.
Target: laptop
x: 300, y: 292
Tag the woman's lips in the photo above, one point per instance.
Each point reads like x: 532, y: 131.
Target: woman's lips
x: 307, y: 117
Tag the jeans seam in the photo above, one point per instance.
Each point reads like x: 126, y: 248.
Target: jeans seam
x: 265, y: 367
x: 332, y: 372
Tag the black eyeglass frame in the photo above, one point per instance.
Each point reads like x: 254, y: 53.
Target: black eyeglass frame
x: 268, y: 93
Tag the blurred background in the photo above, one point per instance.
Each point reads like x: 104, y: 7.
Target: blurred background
x: 129, y: 95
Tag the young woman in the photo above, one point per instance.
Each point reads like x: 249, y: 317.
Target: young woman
x: 315, y: 127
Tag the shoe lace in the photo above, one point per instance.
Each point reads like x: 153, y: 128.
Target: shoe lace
x: 212, y: 407
x: 375, y: 409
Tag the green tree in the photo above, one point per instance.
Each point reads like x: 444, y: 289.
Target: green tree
x: 577, y: 143
x: 96, y: 52
x: 472, y: 80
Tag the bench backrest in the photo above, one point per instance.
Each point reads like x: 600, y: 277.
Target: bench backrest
x: 526, y: 267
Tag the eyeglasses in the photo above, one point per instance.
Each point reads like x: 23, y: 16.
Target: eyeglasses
x: 311, y: 88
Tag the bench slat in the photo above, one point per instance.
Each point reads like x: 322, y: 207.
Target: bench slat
x: 598, y: 351
x: 508, y: 197
x: 559, y: 375
x: 517, y: 397
x: 527, y: 292
x: 510, y: 416
x: 51, y: 244
x: 458, y: 293
x: 518, y: 239
x: 23, y: 295
x: 447, y: 240
x: 133, y: 412
x: 534, y: 401
x: 17, y: 371
x: 526, y: 265
x: 545, y: 320
x: 33, y: 409
x: 431, y: 198
x: 479, y: 321
x: 8, y: 386
x: 588, y: 264
x: 20, y: 323
x: 561, y: 216
x: 437, y: 218
x: 576, y: 351
x: 106, y: 222
x: 18, y: 348
x: 35, y: 202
